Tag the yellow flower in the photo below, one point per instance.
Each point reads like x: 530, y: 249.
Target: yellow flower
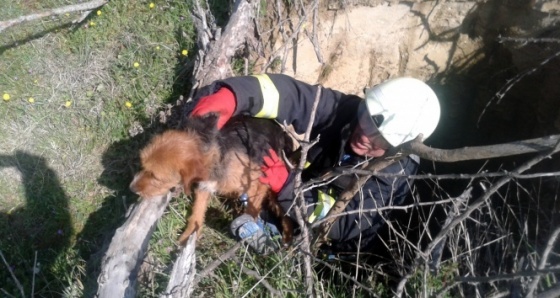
x: 128, y: 104
x: 31, y: 100
x: 157, y: 48
x: 92, y: 23
x: 68, y: 103
x: 152, y: 5
x: 6, y: 96
x: 136, y: 64
x: 67, y: 14
x: 184, y: 52
x: 99, y: 12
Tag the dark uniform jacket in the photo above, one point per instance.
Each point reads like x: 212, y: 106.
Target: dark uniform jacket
x: 289, y: 101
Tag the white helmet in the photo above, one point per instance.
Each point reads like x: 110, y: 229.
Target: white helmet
x: 408, y: 107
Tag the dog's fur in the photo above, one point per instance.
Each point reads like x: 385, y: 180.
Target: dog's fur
x: 226, y: 161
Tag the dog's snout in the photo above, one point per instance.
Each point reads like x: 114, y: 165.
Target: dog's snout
x: 133, y: 185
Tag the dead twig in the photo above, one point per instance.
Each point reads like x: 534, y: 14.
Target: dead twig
x: 544, y: 260
x: 512, y: 82
x: 221, y: 259
x: 301, y: 208
x: 350, y: 278
x: 87, y: 6
x: 261, y: 279
x: 463, y: 198
x: 474, y: 206
x: 516, y: 275
x: 356, y: 184
x: 18, y: 285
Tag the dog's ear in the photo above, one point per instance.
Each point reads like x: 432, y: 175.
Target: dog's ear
x: 206, y: 126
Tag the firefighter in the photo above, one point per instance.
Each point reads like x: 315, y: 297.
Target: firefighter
x: 351, y: 130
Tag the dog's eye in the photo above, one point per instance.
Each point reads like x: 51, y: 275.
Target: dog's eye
x: 154, y: 177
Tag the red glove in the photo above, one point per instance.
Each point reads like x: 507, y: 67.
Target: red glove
x: 222, y: 102
x: 274, y: 171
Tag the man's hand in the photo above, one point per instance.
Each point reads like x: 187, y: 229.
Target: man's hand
x: 222, y: 102
x: 274, y: 171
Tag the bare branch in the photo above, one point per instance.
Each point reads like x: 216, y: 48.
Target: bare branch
x: 261, y: 279
x: 355, y: 281
x: 216, y: 64
x: 301, y: 208
x: 210, y: 268
x: 345, y: 171
x: 512, y: 82
x: 20, y: 288
x: 516, y: 275
x: 463, y: 198
x: 480, y: 152
x: 55, y: 11
x: 392, y: 155
x: 544, y: 260
x: 474, y: 206
x: 526, y: 40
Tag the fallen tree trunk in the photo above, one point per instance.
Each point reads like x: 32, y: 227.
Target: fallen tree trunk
x: 127, y: 249
x: 130, y: 243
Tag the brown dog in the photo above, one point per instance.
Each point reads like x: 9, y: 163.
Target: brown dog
x: 226, y: 162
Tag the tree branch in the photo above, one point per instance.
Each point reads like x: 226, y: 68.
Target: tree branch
x: 55, y: 11
x: 474, y: 206
x: 391, y: 156
x: 128, y: 246
x: 544, y: 260
x: 480, y: 152
x: 301, y: 208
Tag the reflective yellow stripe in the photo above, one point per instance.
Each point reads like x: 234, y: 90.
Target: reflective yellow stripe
x: 271, y: 97
x: 324, y: 204
x: 307, y: 164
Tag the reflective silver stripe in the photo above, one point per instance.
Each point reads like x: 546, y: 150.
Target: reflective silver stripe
x: 271, y: 97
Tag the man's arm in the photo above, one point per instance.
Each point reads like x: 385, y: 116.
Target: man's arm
x: 377, y: 192
x: 280, y: 97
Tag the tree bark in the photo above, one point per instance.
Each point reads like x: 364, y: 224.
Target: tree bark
x: 181, y: 280
x: 127, y: 249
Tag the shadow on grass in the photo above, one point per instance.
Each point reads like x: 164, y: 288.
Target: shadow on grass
x: 38, y: 35
x: 41, y: 226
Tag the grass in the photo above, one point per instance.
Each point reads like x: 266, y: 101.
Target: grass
x: 66, y: 155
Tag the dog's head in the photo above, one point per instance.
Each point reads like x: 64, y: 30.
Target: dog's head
x: 151, y: 183
x: 165, y: 162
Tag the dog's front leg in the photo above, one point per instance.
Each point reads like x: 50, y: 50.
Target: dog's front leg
x: 202, y: 196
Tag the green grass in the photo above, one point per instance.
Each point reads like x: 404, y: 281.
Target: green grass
x: 66, y: 155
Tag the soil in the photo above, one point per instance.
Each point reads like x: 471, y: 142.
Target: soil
x: 455, y: 46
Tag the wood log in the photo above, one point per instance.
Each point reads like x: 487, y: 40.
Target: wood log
x: 181, y: 281
x: 127, y: 249
x: 216, y: 63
